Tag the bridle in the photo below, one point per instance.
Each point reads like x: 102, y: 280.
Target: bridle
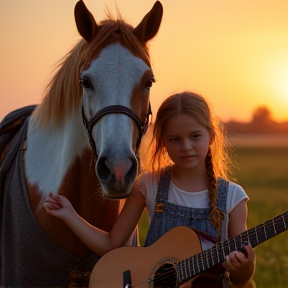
x: 142, y: 125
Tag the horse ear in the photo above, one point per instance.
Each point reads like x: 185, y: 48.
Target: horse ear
x: 85, y: 22
x: 150, y: 24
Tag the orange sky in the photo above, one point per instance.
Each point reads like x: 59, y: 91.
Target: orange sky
x: 233, y: 52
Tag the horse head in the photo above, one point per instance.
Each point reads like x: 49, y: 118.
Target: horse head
x: 116, y: 79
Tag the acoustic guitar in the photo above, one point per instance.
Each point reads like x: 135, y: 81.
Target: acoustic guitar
x: 174, y: 258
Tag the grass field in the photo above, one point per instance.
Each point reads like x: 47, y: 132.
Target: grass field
x: 263, y: 173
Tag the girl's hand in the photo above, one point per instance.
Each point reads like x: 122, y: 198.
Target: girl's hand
x: 239, y: 264
x: 58, y: 206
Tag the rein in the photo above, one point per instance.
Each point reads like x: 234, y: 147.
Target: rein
x: 142, y: 125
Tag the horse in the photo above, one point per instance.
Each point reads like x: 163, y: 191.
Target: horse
x: 81, y: 141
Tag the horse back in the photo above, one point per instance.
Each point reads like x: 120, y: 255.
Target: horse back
x: 10, y: 125
x: 10, y: 128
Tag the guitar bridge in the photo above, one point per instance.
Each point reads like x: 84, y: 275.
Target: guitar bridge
x: 127, y: 279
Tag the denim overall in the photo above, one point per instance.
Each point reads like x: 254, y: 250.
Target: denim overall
x: 168, y: 215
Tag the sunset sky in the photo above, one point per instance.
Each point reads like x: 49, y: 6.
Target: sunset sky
x: 233, y: 52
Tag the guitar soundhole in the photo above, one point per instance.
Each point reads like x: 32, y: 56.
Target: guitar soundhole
x: 165, y: 276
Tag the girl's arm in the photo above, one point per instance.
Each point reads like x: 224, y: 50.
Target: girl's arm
x: 240, y: 267
x: 96, y: 239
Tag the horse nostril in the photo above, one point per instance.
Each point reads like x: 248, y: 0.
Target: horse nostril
x: 102, y: 171
x: 133, y: 171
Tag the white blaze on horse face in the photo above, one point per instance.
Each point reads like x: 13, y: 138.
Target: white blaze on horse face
x: 113, y: 75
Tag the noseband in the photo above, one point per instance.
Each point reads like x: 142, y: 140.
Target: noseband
x: 142, y: 125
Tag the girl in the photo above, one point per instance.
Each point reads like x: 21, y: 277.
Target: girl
x: 187, y: 185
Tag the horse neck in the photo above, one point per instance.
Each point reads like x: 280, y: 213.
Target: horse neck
x: 52, y: 151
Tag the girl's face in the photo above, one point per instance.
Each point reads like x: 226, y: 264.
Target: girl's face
x: 186, y: 141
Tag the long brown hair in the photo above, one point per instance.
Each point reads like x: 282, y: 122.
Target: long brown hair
x: 218, y: 160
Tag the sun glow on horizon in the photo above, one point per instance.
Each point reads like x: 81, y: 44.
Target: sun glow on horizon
x: 277, y: 83
x: 281, y: 84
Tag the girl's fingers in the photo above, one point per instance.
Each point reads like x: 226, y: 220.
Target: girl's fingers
x: 51, y: 206
x: 250, y: 251
x: 51, y: 201
x: 232, y: 260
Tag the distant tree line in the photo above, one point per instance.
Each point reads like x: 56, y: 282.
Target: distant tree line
x: 261, y: 123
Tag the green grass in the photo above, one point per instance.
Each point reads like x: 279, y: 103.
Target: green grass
x: 263, y: 173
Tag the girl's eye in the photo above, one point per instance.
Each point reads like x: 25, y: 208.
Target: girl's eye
x: 149, y: 83
x: 173, y: 139
x: 195, y: 136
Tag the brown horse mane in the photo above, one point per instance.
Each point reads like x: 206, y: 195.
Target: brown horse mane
x: 62, y: 95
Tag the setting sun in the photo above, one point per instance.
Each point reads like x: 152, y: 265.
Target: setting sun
x: 276, y: 83
x: 281, y: 81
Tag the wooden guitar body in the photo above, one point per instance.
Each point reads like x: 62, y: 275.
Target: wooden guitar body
x: 147, y: 264
x: 177, y: 257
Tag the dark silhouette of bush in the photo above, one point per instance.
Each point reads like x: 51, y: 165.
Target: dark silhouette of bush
x: 262, y: 123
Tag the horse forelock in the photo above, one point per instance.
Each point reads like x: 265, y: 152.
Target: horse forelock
x: 64, y: 92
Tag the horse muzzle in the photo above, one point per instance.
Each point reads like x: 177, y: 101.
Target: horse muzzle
x: 116, y: 176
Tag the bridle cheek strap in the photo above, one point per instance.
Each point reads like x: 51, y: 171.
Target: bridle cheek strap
x: 142, y: 125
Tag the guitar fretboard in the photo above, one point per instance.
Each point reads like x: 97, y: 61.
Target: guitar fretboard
x: 192, y: 266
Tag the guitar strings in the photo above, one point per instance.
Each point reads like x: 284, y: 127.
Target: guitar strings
x: 236, y: 244
x: 210, y: 254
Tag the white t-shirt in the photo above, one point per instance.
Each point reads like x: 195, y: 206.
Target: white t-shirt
x: 148, y: 187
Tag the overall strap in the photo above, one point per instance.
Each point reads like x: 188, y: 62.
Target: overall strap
x: 163, y: 188
x: 222, y: 189
x: 222, y: 192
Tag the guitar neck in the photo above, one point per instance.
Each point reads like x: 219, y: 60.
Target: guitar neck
x: 192, y: 266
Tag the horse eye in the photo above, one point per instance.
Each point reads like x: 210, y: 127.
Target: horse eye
x: 85, y: 82
x: 149, y: 83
